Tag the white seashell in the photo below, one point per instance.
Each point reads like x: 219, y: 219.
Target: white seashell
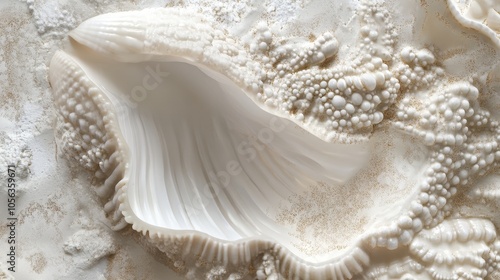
x: 201, y: 143
x: 202, y: 160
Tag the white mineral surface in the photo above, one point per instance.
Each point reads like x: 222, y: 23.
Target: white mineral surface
x: 418, y: 81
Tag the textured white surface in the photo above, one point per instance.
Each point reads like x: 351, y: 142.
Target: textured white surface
x: 446, y: 72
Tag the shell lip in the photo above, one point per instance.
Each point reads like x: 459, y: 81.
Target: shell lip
x: 473, y: 24
x: 267, y: 242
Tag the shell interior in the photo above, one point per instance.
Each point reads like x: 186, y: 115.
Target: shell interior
x: 203, y: 156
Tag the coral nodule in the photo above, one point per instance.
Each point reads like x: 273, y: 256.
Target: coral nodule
x: 223, y: 151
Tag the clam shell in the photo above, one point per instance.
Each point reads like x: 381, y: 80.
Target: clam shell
x: 199, y: 165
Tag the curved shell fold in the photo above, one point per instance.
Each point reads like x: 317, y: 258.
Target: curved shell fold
x: 139, y: 35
